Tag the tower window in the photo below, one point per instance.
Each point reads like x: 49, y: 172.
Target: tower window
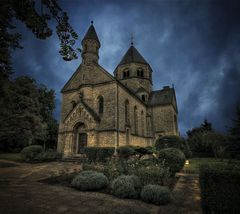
x: 126, y: 73
x: 100, y: 105
x: 140, y: 72
x: 143, y: 97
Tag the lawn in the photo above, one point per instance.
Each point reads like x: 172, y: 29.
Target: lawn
x: 194, y: 163
x: 11, y: 156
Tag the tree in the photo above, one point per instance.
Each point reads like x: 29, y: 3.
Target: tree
x: 204, y: 127
x: 26, y: 115
x: 234, y: 131
x: 36, y: 15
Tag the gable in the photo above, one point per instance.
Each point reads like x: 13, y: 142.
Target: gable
x: 87, y: 75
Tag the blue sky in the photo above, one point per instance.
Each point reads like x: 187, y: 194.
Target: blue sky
x: 192, y: 44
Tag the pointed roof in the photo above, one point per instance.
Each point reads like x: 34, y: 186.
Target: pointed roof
x: 132, y: 55
x: 91, y: 34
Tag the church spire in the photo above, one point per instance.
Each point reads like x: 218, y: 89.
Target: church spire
x: 91, y: 45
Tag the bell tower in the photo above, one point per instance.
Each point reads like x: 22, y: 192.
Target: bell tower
x: 135, y: 73
x: 90, y: 46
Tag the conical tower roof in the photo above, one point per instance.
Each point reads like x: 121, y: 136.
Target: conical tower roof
x: 91, y: 34
x: 132, y: 55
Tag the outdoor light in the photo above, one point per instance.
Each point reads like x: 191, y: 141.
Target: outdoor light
x: 186, y: 162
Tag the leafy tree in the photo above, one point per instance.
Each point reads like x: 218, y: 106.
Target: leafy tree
x: 26, y: 115
x: 234, y: 131
x: 204, y: 127
x: 36, y: 15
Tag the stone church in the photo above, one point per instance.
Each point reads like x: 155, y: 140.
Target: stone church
x: 99, y: 109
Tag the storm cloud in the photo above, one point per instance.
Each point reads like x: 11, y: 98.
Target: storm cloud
x: 194, y: 45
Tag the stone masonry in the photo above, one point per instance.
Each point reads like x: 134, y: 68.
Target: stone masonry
x: 99, y: 109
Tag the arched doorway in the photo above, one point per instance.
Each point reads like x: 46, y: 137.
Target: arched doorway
x: 80, y: 138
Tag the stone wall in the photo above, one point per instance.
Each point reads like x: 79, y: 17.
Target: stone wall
x: 163, y: 120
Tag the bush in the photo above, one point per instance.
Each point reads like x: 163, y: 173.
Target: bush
x: 220, y: 189
x: 126, y: 186
x: 29, y: 153
x: 156, y: 194
x: 172, y: 141
x: 90, y: 180
x: 143, y: 150
x: 173, y: 158
x: 125, y: 151
x: 98, y: 153
x: 104, y: 153
x: 49, y: 155
x: 153, y: 175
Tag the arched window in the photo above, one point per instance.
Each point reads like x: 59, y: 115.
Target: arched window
x: 126, y: 73
x: 136, y: 120
x: 140, y: 72
x: 73, y: 104
x: 142, y: 124
x: 175, y: 123
x: 127, y: 113
x: 143, y: 98
x: 100, y: 104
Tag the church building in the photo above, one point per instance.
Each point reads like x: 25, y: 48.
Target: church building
x: 99, y: 109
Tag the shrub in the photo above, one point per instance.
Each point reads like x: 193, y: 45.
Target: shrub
x: 143, y: 150
x: 155, y: 194
x: 49, y: 155
x: 125, y: 151
x: 153, y: 175
x: 172, y: 141
x: 126, y: 186
x: 98, y: 153
x: 173, y: 158
x: 29, y: 153
x: 104, y: 153
x: 220, y: 189
x: 91, y: 153
x: 90, y: 180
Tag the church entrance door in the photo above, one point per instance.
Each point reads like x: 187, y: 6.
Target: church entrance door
x: 82, y: 142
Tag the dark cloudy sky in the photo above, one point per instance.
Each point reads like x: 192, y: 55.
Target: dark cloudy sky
x: 193, y: 44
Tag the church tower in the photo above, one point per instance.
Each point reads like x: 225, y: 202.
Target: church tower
x: 90, y: 46
x: 135, y: 73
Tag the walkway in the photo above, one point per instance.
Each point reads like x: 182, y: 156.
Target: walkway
x: 21, y: 193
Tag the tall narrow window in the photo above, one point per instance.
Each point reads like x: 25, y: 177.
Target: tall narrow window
x: 143, y: 98
x: 136, y: 120
x: 100, y: 104
x: 175, y: 123
x: 142, y: 124
x: 127, y: 113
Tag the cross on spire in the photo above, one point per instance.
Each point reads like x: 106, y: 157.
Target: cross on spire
x: 131, y: 39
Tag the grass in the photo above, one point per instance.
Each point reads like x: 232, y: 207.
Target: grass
x: 11, y: 157
x: 194, y: 163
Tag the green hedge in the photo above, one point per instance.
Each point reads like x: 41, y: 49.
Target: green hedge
x: 90, y: 180
x: 98, y: 153
x: 156, y: 194
x: 173, y: 141
x: 125, y: 151
x: 220, y: 189
x: 29, y: 153
x: 172, y: 158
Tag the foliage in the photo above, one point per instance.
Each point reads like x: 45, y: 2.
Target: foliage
x: 47, y: 156
x: 220, y: 188
x: 173, y: 142
x: 157, y: 174
x: 125, y: 151
x: 173, y: 158
x: 26, y: 115
x: 37, y: 17
x: 156, y: 194
x: 90, y: 180
x: 29, y: 153
x: 126, y: 186
x: 143, y: 150
x: 204, y: 127
x: 100, y: 154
